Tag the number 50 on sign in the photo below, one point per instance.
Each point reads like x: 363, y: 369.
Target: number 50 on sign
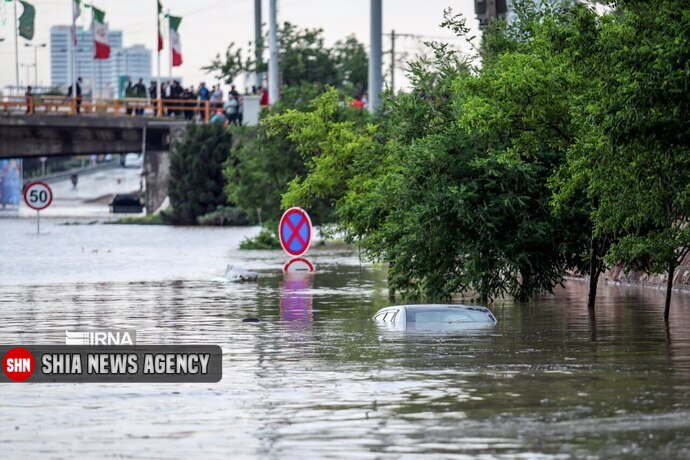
x: 38, y: 196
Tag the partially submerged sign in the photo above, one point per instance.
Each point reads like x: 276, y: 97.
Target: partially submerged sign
x: 299, y: 265
x: 295, y: 231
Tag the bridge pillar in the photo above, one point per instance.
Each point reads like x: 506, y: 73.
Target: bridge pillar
x: 156, y: 172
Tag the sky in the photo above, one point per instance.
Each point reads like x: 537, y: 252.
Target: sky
x: 208, y: 26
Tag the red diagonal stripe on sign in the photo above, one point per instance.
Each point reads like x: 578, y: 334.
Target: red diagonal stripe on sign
x: 295, y: 231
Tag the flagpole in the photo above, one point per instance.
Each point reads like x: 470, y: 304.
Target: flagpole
x: 74, y: 57
x: 159, y: 96
x: 93, y: 62
x: 16, y: 45
x: 170, y: 51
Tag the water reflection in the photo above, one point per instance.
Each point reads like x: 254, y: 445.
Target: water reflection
x: 296, y: 299
x: 316, y: 376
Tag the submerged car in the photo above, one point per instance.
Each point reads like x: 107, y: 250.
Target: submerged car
x: 133, y: 160
x: 432, y: 317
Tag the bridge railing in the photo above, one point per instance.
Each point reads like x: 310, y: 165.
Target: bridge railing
x: 40, y: 104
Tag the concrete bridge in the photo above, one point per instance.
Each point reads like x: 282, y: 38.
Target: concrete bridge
x: 24, y: 136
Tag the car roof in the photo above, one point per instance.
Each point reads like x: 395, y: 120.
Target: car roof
x: 417, y: 307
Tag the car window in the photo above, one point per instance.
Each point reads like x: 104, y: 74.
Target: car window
x: 390, y: 316
x: 450, y: 315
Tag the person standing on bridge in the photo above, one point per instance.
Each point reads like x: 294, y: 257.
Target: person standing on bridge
x: 217, y: 97
x: 129, y: 93
x: 204, y: 94
x: 140, y: 92
x: 77, y: 93
x: 29, y: 100
x: 153, y: 95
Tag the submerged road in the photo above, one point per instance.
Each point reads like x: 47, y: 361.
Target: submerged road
x: 92, y: 194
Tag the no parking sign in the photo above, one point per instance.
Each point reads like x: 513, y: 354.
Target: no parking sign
x: 295, y: 232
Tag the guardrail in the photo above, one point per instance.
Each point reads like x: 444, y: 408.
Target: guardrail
x: 189, y: 108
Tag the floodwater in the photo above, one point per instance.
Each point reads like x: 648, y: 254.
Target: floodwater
x: 315, y: 378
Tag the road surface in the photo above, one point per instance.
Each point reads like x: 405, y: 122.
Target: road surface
x: 92, y: 194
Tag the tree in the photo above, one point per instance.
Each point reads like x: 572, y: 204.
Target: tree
x: 258, y: 171
x: 351, y: 64
x: 451, y: 188
x: 231, y: 65
x: 196, y: 172
x: 642, y: 109
x: 304, y: 59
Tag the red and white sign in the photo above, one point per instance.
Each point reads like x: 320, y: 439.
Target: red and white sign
x: 295, y: 231
x: 299, y: 265
x: 18, y: 364
x: 38, y: 195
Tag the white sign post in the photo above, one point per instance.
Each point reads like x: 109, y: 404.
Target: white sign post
x: 38, y: 196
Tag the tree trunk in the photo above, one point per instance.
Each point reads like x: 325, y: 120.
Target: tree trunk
x: 593, y: 282
x: 594, y: 271
x: 669, y: 290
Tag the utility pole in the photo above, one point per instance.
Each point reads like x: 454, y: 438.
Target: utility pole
x: 375, y: 77
x: 258, y: 41
x: 273, y: 64
x: 394, y: 36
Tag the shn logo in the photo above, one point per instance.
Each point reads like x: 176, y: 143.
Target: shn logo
x: 103, y: 337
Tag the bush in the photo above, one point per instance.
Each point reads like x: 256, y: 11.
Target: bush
x: 224, y: 216
x: 267, y: 239
x: 151, y: 219
x: 196, y: 173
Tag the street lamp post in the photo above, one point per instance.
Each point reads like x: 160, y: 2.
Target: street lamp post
x: 36, y: 47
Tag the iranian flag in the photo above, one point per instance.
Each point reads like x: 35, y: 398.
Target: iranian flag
x: 100, y: 35
x: 160, y: 35
x: 175, y: 45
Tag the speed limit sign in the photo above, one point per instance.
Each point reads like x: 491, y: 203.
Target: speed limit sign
x: 38, y: 196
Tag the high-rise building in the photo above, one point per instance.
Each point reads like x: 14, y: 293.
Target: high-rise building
x: 486, y: 10
x: 133, y: 63
x: 103, y: 74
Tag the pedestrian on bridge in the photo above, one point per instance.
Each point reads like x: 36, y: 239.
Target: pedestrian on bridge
x: 77, y: 93
x: 140, y: 92
x: 29, y: 100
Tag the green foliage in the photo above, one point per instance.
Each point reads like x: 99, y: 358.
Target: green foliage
x: 265, y: 159
x: 266, y: 239
x: 304, y: 59
x: 631, y: 155
x: 150, y: 219
x: 231, y: 65
x: 224, y: 216
x: 567, y: 147
x: 259, y: 170
x: 196, y: 172
x: 451, y: 187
